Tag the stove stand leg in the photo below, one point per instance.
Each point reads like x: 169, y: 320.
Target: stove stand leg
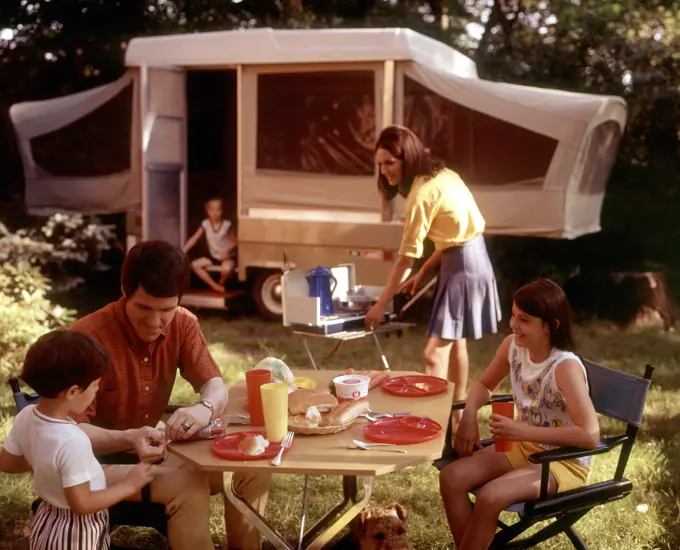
x: 382, y: 353
x: 309, y: 351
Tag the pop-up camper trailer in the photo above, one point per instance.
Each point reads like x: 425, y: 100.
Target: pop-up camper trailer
x: 281, y: 124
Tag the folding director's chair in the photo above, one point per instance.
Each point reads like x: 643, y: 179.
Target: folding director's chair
x: 615, y: 394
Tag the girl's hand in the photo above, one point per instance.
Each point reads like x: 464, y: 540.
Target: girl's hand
x: 467, y: 436
x: 506, y: 428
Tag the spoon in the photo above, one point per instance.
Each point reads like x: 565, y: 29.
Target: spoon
x: 371, y: 446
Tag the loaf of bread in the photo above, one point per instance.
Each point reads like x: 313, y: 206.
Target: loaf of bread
x: 253, y: 445
x: 346, y: 412
x: 300, y: 401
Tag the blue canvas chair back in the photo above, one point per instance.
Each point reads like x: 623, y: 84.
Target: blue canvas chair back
x: 618, y: 394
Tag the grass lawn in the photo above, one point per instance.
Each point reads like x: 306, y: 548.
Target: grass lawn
x: 648, y: 519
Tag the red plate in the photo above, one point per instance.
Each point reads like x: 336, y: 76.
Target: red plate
x: 415, y: 386
x: 404, y: 430
x: 227, y: 447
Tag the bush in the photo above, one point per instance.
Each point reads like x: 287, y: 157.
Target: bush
x: 66, y: 248
x: 33, y: 262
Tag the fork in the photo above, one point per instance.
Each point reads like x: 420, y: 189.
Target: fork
x: 286, y: 443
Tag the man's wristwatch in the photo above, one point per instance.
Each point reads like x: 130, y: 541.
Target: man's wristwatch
x: 208, y: 405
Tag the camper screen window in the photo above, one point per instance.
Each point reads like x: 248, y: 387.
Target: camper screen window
x: 321, y: 123
x: 484, y: 150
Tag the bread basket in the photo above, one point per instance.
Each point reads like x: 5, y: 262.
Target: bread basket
x: 319, y: 430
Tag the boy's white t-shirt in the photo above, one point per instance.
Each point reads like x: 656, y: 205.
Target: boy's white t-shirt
x: 219, y: 242
x: 59, y: 452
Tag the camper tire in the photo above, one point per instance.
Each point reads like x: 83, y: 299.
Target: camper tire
x: 267, y: 295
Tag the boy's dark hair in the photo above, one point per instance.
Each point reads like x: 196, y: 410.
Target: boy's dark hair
x: 404, y: 145
x: 546, y: 300
x: 212, y: 198
x: 160, y: 267
x: 61, y: 359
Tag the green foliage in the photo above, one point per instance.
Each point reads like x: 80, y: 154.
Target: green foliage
x: 33, y: 262
x: 66, y: 248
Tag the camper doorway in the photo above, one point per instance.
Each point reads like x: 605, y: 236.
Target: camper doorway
x: 212, y: 176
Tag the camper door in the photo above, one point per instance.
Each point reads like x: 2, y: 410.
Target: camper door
x: 164, y: 157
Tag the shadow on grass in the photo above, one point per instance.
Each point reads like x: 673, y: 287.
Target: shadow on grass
x: 667, y: 433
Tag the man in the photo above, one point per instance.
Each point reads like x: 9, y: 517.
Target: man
x: 149, y: 337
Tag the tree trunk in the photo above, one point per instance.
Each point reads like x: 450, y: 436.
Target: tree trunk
x: 629, y: 299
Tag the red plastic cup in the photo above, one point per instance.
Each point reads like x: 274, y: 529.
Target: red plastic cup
x: 508, y: 410
x: 254, y: 379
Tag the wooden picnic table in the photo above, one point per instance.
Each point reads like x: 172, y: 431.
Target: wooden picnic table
x: 325, y: 455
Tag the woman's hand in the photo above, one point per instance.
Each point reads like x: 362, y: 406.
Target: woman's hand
x: 506, y: 428
x: 411, y: 286
x: 467, y: 435
x: 375, y: 315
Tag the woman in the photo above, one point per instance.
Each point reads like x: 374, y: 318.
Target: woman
x: 439, y: 206
x: 550, y: 391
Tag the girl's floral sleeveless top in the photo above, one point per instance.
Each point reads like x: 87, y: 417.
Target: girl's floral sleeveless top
x: 538, y: 400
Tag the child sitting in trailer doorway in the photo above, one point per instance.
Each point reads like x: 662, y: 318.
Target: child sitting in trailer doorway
x: 219, y: 248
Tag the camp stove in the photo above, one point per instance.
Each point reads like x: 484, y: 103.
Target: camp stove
x: 351, y: 302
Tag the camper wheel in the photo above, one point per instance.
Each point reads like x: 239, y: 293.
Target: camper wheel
x: 267, y: 295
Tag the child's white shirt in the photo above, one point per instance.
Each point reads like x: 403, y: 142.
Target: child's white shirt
x: 219, y: 242
x: 59, y: 452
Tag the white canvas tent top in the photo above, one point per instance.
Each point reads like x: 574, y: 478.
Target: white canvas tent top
x: 537, y: 160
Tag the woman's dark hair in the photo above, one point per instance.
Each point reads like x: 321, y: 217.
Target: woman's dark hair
x: 546, y: 300
x: 405, y: 146
x: 61, y: 359
x: 160, y: 267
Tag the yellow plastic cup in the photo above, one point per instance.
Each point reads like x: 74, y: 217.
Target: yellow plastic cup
x: 275, y: 409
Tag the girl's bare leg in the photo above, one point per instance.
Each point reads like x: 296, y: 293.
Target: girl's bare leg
x: 460, y: 477
x: 514, y: 486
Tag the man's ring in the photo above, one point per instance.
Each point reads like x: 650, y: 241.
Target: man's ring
x: 186, y: 426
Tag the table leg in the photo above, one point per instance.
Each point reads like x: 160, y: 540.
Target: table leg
x: 253, y: 515
x: 322, y: 532
x: 304, y: 515
x: 324, y: 538
x: 382, y: 353
x: 309, y: 351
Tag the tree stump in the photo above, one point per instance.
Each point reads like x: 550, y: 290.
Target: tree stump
x: 629, y: 299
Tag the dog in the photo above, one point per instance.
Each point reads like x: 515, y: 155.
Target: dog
x: 382, y: 528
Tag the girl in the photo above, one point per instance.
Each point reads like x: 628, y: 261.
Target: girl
x: 441, y: 207
x: 64, y: 368
x: 550, y: 392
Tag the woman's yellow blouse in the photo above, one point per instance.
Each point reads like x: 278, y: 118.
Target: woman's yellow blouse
x: 443, y: 209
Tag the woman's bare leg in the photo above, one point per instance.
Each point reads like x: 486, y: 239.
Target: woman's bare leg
x: 436, y: 357
x: 515, y: 486
x: 459, y: 372
x: 449, y: 359
x: 460, y: 477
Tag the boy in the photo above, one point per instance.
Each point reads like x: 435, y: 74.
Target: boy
x: 64, y: 368
x: 221, y: 241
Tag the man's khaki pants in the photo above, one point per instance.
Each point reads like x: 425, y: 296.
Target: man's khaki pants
x: 186, y: 491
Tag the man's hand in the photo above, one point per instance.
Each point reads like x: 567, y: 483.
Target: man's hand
x: 149, y: 444
x: 185, y: 422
